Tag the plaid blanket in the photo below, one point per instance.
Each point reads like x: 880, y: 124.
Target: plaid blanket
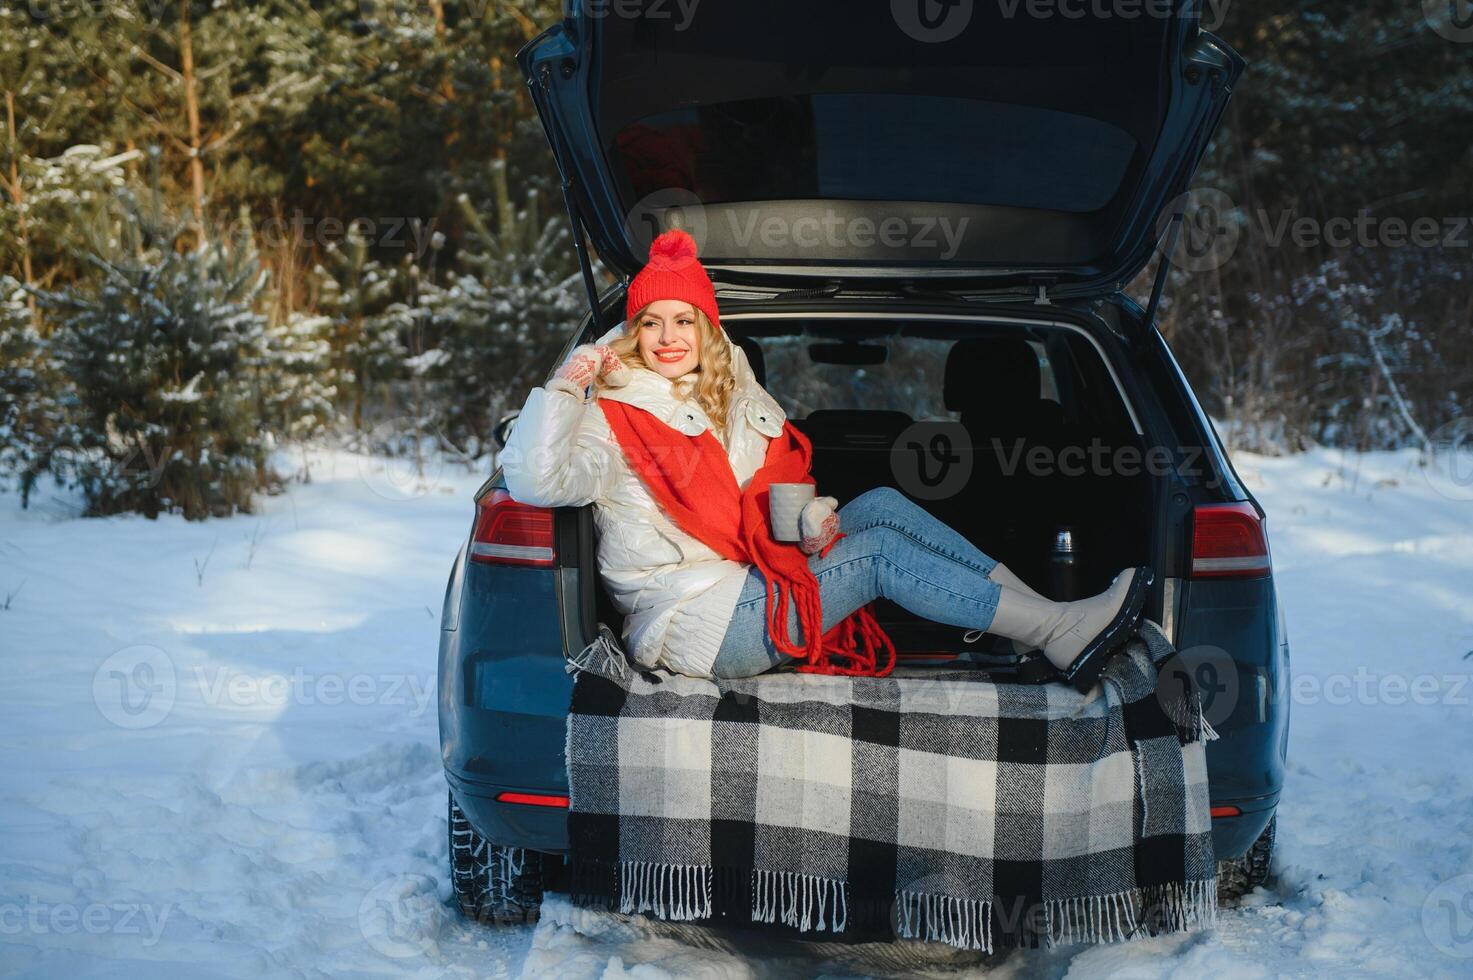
x: 931, y: 804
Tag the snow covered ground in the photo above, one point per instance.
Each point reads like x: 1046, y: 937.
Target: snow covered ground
x: 219, y: 753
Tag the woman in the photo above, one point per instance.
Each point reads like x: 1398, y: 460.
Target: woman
x: 676, y: 451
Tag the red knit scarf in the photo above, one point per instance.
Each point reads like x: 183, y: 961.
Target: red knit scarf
x: 692, y: 479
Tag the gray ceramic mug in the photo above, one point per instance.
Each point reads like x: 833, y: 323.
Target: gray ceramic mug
x: 785, y: 503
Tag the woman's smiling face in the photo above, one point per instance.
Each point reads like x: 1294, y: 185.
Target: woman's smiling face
x: 669, y: 337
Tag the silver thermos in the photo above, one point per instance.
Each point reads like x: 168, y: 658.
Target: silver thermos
x: 1064, y: 566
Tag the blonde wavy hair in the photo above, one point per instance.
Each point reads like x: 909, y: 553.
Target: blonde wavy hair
x: 715, y: 381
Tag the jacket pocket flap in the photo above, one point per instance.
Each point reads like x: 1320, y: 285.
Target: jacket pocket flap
x: 688, y: 419
x: 765, y: 418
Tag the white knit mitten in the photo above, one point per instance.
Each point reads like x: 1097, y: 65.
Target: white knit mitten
x: 585, y: 363
x: 819, y: 522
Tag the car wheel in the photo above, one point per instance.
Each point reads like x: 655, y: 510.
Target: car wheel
x: 493, y: 883
x: 1237, y: 877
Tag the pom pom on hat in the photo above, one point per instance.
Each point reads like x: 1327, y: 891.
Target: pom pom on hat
x: 674, y: 249
x: 673, y: 272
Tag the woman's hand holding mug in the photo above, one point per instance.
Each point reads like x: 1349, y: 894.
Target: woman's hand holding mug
x: 798, y: 516
x: 819, y: 523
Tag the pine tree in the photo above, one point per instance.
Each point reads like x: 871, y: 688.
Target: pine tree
x: 32, y: 410
x: 1345, y: 112
x: 299, y: 390
x: 166, y: 352
x: 363, y: 300
x: 504, y: 315
x: 65, y: 205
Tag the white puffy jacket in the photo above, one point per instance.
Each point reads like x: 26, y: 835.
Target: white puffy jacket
x: 676, y: 593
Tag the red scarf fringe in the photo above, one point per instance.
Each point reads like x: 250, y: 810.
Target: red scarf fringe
x: 692, y: 480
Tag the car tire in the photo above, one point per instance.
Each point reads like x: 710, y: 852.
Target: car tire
x: 493, y: 884
x: 1237, y: 877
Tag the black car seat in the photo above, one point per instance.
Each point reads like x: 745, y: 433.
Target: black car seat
x: 995, y: 385
x: 755, y: 358
x: 851, y: 449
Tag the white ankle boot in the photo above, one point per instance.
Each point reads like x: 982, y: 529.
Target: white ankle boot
x: 1003, y: 575
x: 1063, y: 630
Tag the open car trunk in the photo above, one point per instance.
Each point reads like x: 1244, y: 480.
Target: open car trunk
x: 1009, y: 432
x: 1050, y: 145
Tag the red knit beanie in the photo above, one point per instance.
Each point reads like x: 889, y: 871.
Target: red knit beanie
x: 673, y: 272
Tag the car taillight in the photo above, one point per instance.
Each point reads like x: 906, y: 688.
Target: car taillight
x: 532, y: 799
x: 511, y: 533
x: 1228, y: 542
x: 1227, y: 810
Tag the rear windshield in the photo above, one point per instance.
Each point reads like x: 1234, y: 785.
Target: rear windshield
x: 876, y: 147
x: 927, y: 377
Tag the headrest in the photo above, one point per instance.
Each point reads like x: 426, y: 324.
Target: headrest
x: 753, y: 350
x: 991, y: 372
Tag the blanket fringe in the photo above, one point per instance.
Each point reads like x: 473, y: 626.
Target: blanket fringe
x: 961, y: 922
x: 603, y: 656
x: 805, y: 902
x: 1153, y: 909
x: 670, y: 891
x: 1209, y: 734
x: 1191, y: 723
x: 1116, y: 917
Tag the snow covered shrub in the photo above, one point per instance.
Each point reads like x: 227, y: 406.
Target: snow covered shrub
x: 62, y: 211
x: 1364, y: 350
x: 296, y: 381
x: 500, y: 319
x: 167, y: 355
x: 361, y: 301
x: 32, y: 418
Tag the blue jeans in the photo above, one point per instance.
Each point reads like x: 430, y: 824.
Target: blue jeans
x: 891, y: 548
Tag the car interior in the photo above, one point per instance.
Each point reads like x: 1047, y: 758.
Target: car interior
x: 976, y: 424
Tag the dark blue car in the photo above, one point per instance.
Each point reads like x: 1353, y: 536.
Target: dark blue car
x: 921, y: 233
